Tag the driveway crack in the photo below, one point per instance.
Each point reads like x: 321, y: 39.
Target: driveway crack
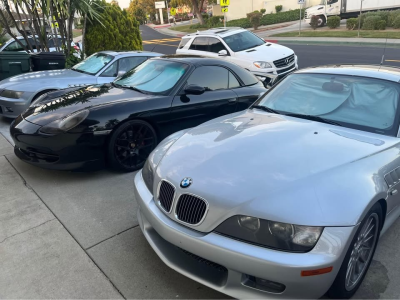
x: 18, y: 233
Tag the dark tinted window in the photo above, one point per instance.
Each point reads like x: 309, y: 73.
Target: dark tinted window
x: 210, y: 77
x: 215, y: 45
x: 200, y: 44
x: 244, y: 75
x: 128, y: 63
x: 111, y: 71
x: 233, y: 82
x: 14, y: 46
x: 183, y: 43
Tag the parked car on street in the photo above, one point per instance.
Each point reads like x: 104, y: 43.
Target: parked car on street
x: 240, y: 46
x: 287, y: 199
x: 122, y: 122
x: 18, y: 92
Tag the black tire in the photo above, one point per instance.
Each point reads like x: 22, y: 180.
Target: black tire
x: 339, y: 289
x: 130, y: 145
x: 321, y: 21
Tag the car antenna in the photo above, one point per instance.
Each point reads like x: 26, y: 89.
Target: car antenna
x: 153, y: 48
x: 384, y: 52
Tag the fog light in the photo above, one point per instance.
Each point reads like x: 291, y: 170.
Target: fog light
x: 9, y: 109
x: 263, y: 284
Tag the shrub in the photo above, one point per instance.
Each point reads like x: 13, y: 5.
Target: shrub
x: 383, y: 14
x: 198, y: 26
x: 205, y: 17
x: 381, y: 25
x: 243, y: 22
x: 396, y: 22
x: 263, y: 10
x: 255, y: 18
x: 352, y: 23
x: 333, y: 22
x: 371, y: 23
x: 287, y: 16
x: 392, y: 16
x: 214, y: 21
x: 278, y: 8
x: 314, y: 22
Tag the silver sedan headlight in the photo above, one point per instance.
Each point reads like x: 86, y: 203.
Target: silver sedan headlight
x: 276, y: 235
x: 11, y: 94
x: 262, y: 64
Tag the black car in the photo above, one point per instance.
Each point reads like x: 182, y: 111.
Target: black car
x: 122, y: 122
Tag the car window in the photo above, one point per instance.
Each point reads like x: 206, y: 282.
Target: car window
x: 183, y: 43
x: 233, y: 82
x: 244, y: 75
x: 111, y: 71
x: 215, y: 45
x: 243, y: 41
x: 93, y: 63
x: 128, y: 63
x: 14, y: 46
x: 210, y: 77
x: 200, y: 44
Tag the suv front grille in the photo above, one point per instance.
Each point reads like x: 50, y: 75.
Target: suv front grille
x: 166, y: 195
x: 191, y: 209
x: 284, y: 62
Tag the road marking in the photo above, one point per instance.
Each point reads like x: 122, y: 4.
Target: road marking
x: 395, y: 60
x: 161, y: 41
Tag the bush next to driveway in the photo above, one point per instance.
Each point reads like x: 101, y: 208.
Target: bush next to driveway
x: 333, y: 22
x: 352, y: 23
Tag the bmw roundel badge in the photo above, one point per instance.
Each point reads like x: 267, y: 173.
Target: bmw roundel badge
x: 186, y: 182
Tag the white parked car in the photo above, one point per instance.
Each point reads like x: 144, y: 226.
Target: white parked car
x: 265, y: 60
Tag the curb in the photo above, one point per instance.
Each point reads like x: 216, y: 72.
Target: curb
x: 310, y: 42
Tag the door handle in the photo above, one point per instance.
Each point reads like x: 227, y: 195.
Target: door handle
x: 232, y: 100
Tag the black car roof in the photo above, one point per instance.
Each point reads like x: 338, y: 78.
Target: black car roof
x: 196, y: 60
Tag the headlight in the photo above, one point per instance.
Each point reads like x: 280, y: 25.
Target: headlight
x: 65, y: 124
x: 276, y: 235
x: 262, y: 64
x: 148, y: 175
x: 11, y: 94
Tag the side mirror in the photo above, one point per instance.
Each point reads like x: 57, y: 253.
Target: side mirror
x: 223, y: 53
x: 193, y: 89
x: 120, y: 73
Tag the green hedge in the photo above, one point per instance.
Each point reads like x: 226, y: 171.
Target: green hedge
x: 333, y: 22
x: 396, y: 22
x: 371, y: 22
x: 392, y: 17
x: 352, y: 24
x: 381, y: 25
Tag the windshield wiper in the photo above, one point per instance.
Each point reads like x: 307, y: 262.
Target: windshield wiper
x: 313, y: 118
x: 267, y: 109
x: 133, y: 88
x: 80, y: 71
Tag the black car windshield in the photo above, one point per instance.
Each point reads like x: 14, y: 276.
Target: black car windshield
x: 243, y: 41
x: 356, y: 102
x: 154, y: 76
x: 93, y: 63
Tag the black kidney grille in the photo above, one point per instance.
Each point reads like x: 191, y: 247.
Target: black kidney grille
x: 166, y: 195
x: 190, y: 209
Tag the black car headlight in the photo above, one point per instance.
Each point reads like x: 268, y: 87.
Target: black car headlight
x: 275, y: 235
x: 11, y: 94
x: 65, y: 124
x: 148, y: 175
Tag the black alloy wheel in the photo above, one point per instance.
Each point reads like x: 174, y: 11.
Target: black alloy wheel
x: 130, y: 145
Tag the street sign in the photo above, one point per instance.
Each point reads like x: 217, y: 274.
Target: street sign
x: 160, y: 4
x: 301, y: 1
x: 226, y: 2
x: 225, y: 9
x: 173, y: 11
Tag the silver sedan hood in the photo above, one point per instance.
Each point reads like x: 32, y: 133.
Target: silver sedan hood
x: 270, y: 166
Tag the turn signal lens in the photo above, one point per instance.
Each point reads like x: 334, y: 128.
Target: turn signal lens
x: 316, y: 272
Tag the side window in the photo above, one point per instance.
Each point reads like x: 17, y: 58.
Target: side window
x: 233, y: 82
x: 199, y: 44
x: 183, y: 43
x: 14, y: 46
x: 111, y: 71
x: 216, y: 45
x: 210, y: 77
x: 128, y: 63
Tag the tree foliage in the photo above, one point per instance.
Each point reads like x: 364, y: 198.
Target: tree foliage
x: 136, y: 10
x: 118, y: 30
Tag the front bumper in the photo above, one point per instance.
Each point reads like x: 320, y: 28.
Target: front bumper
x: 225, y: 264
x: 275, y: 74
x: 12, y: 108
x: 68, y: 151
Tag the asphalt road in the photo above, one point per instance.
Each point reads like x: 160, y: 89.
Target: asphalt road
x: 309, y: 55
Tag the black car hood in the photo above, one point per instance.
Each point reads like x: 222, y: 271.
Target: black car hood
x: 73, y: 100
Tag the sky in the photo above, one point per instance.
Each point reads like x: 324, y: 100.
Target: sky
x: 122, y: 3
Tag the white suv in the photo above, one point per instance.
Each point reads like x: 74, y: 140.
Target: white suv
x: 240, y: 46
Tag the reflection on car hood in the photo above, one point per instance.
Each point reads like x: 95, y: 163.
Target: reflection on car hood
x: 265, y: 53
x: 77, y: 99
x: 268, y: 166
x: 55, y: 78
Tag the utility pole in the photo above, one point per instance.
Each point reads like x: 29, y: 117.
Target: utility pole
x: 359, y: 19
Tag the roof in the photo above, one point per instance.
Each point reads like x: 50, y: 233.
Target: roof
x: 373, y: 71
x: 196, y: 60
x: 220, y: 31
x: 139, y: 53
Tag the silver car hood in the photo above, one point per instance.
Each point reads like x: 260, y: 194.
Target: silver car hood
x: 270, y: 166
x: 29, y: 82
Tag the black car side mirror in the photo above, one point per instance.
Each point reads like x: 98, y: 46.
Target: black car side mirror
x: 193, y: 89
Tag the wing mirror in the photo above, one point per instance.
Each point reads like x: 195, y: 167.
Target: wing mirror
x: 223, y: 53
x: 120, y: 73
x: 193, y: 89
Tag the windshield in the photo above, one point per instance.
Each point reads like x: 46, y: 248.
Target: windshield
x: 355, y: 102
x: 154, y: 76
x: 93, y: 63
x: 243, y: 41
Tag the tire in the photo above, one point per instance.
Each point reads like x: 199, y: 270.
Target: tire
x: 345, y: 286
x: 321, y: 21
x: 130, y: 145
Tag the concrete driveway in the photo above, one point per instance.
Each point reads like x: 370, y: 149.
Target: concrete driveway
x: 75, y: 235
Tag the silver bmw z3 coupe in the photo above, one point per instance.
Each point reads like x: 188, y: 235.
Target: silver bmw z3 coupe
x: 287, y: 199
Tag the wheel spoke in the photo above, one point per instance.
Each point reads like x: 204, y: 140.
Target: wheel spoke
x: 367, y: 239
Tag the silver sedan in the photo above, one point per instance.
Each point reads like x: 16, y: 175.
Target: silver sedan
x: 18, y: 92
x: 287, y: 199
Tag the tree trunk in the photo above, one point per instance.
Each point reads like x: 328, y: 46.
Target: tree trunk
x: 83, y: 37
x: 197, y: 11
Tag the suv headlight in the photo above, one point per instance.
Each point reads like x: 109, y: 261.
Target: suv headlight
x: 11, y: 94
x: 262, y: 64
x: 65, y: 124
x: 276, y: 235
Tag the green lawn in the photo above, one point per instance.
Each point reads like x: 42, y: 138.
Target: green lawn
x: 76, y: 33
x: 390, y: 34
x: 185, y: 28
